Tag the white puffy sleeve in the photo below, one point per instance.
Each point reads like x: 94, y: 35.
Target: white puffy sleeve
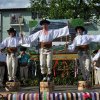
x: 94, y: 38
x: 71, y: 47
x: 34, y: 37
x: 96, y: 57
x: 3, y: 44
x: 31, y: 38
x: 60, y: 32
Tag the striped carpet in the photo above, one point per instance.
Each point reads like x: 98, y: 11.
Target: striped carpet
x: 55, y: 96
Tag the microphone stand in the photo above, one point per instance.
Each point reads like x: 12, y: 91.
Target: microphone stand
x: 39, y: 69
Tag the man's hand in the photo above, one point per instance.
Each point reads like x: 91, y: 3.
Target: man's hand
x: 21, y: 35
x: 94, y: 63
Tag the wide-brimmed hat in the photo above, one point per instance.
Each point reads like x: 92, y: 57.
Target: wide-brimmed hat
x: 11, y: 30
x: 44, y: 21
x: 95, y: 51
x: 80, y: 27
x: 23, y: 48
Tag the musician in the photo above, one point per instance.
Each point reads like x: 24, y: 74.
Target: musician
x: 96, y: 63
x: 81, y: 43
x: 11, y: 43
x: 46, y: 37
x: 2, y: 66
x: 23, y: 60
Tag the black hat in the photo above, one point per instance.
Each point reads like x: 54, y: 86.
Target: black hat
x: 80, y: 27
x: 95, y: 51
x: 23, y: 48
x: 11, y: 30
x: 44, y: 21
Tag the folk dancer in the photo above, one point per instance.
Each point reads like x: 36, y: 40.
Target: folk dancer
x: 2, y: 66
x: 81, y: 44
x: 46, y: 37
x: 11, y: 43
x: 96, y: 63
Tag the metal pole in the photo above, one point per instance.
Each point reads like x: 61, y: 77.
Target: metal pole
x: 39, y: 74
x: 1, y: 25
x: 20, y: 20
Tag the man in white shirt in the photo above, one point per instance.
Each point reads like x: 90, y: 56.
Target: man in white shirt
x: 2, y: 66
x: 11, y: 43
x: 81, y: 44
x: 46, y: 37
x: 96, y: 63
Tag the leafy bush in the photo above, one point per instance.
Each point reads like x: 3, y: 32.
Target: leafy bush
x: 68, y: 78
x: 33, y: 23
x: 77, y: 22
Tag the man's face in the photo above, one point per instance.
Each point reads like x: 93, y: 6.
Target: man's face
x: 79, y: 31
x: 45, y: 26
x: 22, y: 52
x: 12, y: 34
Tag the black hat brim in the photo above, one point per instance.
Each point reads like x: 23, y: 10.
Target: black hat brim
x: 80, y: 27
x: 11, y: 30
x: 23, y: 49
x: 44, y: 22
x: 95, y: 51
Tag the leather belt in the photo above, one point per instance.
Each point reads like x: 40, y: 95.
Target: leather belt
x: 11, y: 49
x: 46, y: 44
x: 82, y: 47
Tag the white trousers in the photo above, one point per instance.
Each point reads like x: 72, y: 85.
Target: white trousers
x: 12, y: 63
x: 46, y: 61
x: 85, y: 62
x: 97, y: 76
x: 24, y: 72
x: 2, y: 71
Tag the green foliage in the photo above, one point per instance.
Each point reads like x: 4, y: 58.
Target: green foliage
x: 32, y: 23
x: 77, y: 22
x: 69, y: 14
x: 61, y: 9
x: 66, y: 79
x: 58, y: 9
x: 58, y: 80
x: 31, y: 82
x: 39, y: 7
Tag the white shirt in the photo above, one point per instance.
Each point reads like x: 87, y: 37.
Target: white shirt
x: 2, y: 57
x: 80, y: 40
x: 10, y: 42
x: 52, y: 34
x: 96, y: 57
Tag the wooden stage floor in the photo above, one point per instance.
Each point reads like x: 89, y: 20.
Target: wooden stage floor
x: 56, y: 89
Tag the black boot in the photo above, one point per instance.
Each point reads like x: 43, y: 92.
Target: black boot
x: 44, y: 77
x: 49, y: 77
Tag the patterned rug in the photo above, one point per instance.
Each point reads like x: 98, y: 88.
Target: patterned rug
x: 54, y: 96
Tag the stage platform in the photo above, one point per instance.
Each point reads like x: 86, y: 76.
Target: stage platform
x: 59, y: 93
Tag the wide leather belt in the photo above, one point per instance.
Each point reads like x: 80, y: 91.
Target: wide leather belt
x: 46, y: 44
x: 11, y: 49
x: 82, y: 47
